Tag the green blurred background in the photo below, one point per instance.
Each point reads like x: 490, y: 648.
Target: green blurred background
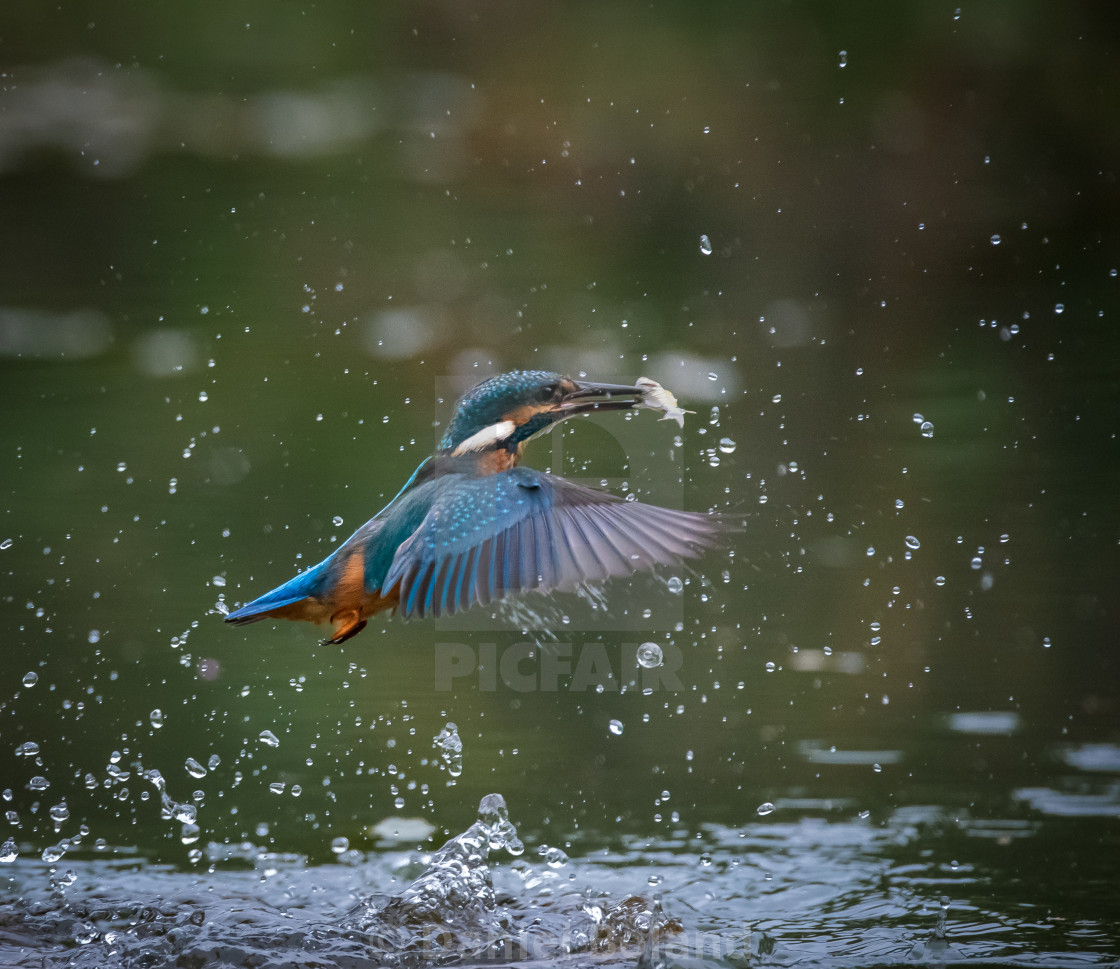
x: 251, y: 252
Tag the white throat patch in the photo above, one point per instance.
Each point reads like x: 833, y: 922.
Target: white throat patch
x: 485, y: 437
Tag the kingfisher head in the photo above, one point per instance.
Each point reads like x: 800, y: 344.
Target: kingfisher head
x: 504, y: 412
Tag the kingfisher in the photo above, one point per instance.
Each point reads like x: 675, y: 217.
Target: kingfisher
x: 472, y: 525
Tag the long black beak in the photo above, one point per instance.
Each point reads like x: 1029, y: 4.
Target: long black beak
x: 590, y: 397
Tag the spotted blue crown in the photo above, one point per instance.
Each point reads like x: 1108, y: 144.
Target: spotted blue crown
x: 492, y: 400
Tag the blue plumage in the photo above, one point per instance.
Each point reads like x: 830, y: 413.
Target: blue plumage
x: 310, y: 583
x: 470, y: 526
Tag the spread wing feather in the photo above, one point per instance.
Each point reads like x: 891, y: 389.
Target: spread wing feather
x: 522, y: 530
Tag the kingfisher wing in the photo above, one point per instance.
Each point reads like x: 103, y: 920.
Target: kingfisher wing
x: 485, y: 537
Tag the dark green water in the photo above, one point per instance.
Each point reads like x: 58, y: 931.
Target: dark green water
x: 250, y: 259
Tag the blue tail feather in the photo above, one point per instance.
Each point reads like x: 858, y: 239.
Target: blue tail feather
x: 309, y: 583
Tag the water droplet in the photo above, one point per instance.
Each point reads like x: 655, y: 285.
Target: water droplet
x: 94, y: 636
x: 194, y: 768
x: 995, y: 240
x: 30, y: 678
x: 726, y: 445
x: 339, y: 845
x: 276, y: 787
x: 976, y: 562
x: 337, y: 521
x: 187, y: 813
x: 553, y: 857
x: 616, y: 727
x: 27, y: 749
x: 218, y: 580
x: 7, y: 543
x: 912, y: 542
x: 268, y: 738
x: 493, y: 815
x: 843, y: 61
x: 675, y: 585
x: 190, y: 833
x: 214, y: 761
x: 771, y: 666
x: 450, y: 745
x: 9, y: 851
x: 1059, y: 308
x: 927, y: 428
x: 705, y: 245
x: 649, y: 655
x: 940, y: 580
x: 713, y: 376
x: 157, y: 718
x: 764, y: 809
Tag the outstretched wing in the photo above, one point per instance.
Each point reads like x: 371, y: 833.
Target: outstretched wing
x: 521, y: 530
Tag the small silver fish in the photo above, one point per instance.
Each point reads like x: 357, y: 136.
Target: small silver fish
x: 656, y: 397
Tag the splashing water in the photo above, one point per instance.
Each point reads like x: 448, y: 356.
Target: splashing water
x: 452, y: 904
x: 258, y: 907
x: 450, y: 747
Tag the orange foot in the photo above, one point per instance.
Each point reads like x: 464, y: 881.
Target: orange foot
x: 349, y: 622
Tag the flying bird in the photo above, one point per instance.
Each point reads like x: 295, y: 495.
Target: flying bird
x: 471, y: 525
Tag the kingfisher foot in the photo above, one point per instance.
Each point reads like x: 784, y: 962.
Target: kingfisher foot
x: 344, y: 634
x: 349, y: 623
